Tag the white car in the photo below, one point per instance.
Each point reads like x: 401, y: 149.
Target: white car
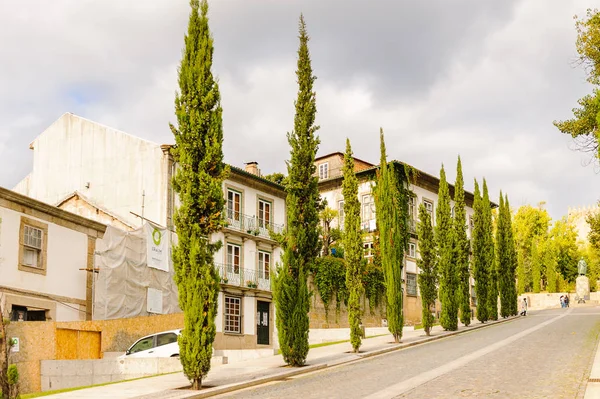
x: 163, y: 344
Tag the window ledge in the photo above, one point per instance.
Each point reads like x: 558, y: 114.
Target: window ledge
x: 30, y: 269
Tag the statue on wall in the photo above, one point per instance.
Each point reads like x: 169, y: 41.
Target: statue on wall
x: 582, y: 267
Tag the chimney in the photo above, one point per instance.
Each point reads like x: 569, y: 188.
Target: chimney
x: 252, y: 167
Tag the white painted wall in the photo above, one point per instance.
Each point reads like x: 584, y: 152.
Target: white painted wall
x: 67, y: 253
x: 249, y: 316
x: 74, y: 151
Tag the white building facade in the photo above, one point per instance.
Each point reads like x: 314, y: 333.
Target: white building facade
x: 46, y: 256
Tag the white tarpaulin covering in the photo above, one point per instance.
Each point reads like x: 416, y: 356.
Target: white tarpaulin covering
x: 125, y: 279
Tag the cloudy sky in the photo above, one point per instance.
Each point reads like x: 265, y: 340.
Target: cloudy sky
x: 479, y: 78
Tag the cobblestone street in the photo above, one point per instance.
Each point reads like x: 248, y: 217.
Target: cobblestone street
x: 544, y: 355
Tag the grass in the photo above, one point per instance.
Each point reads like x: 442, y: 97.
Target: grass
x: 47, y: 393
x: 420, y: 326
x: 334, y: 343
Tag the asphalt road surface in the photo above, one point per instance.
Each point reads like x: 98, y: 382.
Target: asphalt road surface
x: 547, y: 354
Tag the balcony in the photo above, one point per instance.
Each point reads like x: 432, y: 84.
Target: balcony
x: 251, y: 224
x: 240, y: 277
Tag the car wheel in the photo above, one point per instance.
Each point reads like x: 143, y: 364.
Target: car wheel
x: 175, y: 355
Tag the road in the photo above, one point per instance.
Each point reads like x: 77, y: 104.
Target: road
x: 546, y: 354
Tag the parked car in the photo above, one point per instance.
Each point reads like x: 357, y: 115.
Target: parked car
x: 162, y: 344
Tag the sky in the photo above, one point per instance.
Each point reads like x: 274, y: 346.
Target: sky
x: 483, y: 79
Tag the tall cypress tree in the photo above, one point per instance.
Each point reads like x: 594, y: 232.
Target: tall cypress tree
x: 301, y: 243
x: 198, y: 181
x: 503, y: 260
x: 444, y: 237
x: 392, y: 239
x: 461, y: 248
x: 353, y: 250
x: 490, y: 257
x: 512, y: 261
x: 427, y: 264
x: 479, y: 257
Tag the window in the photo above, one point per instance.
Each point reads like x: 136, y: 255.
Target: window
x: 471, y: 224
x: 233, y: 258
x: 142, y: 345
x: 324, y: 171
x: 368, y: 208
x: 264, y: 264
x: 33, y: 245
x: 412, y: 250
x: 411, y: 284
x: 412, y: 205
x: 368, y: 247
x: 233, y: 315
x: 264, y: 214
x: 234, y: 205
x: 341, y: 214
x: 165, y: 339
x: 429, y: 207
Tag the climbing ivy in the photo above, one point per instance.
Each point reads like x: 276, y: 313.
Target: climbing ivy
x: 373, y: 279
x: 330, y: 280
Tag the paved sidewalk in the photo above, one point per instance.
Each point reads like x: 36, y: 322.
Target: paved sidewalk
x: 235, y: 376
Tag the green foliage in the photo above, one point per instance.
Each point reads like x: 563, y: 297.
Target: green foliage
x: 479, y: 258
x: 374, y: 283
x: 427, y: 264
x: 330, y: 280
x: 512, y: 248
x: 198, y: 181
x: 564, y: 241
x: 490, y: 255
x: 461, y: 248
x: 506, y: 258
x: 536, y: 267
x: 448, y: 276
x: 301, y: 243
x: 584, y: 125
x: 353, y: 247
x: 592, y: 258
x: 391, y: 202
x: 276, y: 177
x: 13, y: 374
x: 329, y: 235
x: 549, y: 264
x: 530, y: 224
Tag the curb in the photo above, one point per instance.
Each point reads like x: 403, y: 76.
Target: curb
x: 309, y: 369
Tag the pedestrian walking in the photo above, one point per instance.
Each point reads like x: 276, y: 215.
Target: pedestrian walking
x: 562, y: 301
x: 566, y: 301
x: 524, y: 307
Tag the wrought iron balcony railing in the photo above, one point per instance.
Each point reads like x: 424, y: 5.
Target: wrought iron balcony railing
x: 251, y: 224
x: 240, y: 277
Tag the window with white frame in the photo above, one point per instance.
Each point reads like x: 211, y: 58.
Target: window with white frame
x: 341, y: 214
x: 324, y: 171
x: 32, y: 246
x: 264, y: 264
x: 412, y: 250
x: 233, y: 258
x: 411, y: 284
x: 234, y: 205
x: 412, y: 205
x: 368, y: 208
x: 429, y: 208
x: 233, y: 315
x: 264, y: 213
x: 368, y: 248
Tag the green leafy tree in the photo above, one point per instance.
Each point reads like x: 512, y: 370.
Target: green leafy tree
x: 479, y: 257
x: 448, y: 276
x: 276, y: 177
x: 427, y: 264
x: 536, y: 267
x: 564, y: 241
x: 549, y: 264
x: 301, y: 242
x: 461, y: 248
x: 513, y: 261
x: 393, y: 238
x: 584, y: 126
x: 490, y: 255
x: 353, y: 248
x: 330, y: 280
x: 329, y: 234
x: 198, y: 181
x: 530, y: 224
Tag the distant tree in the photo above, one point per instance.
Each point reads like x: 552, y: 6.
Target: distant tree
x: 276, y: 177
x: 448, y: 277
x: 461, y: 248
x: 198, y: 182
x: 353, y: 247
x: 584, y: 126
x: 427, y: 264
x: 490, y: 255
x: 513, y: 262
x: 549, y: 264
x: 479, y: 257
x: 536, y: 267
x: 564, y: 241
x: 393, y: 238
x: 503, y: 260
x: 301, y: 242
